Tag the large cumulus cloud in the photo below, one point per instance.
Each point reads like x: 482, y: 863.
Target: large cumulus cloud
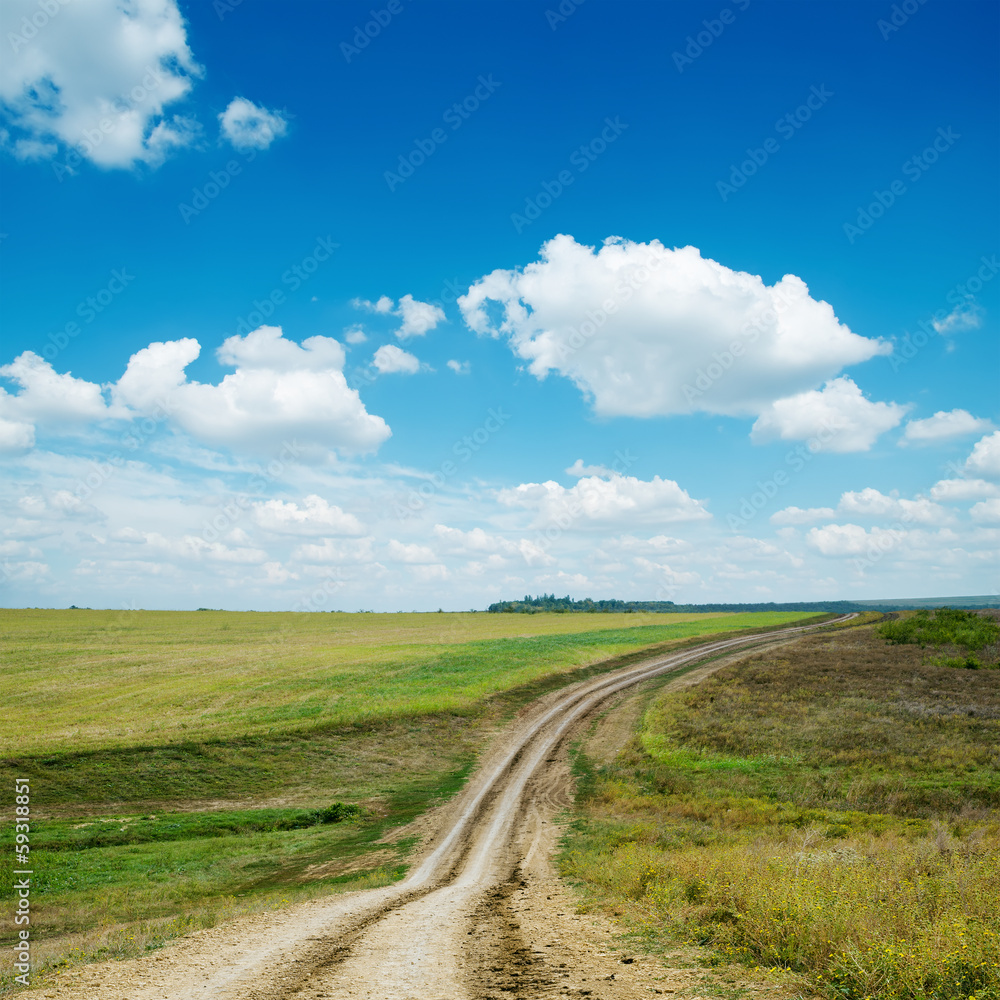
x: 646, y: 331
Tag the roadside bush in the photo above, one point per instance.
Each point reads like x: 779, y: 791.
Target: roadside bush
x: 967, y: 631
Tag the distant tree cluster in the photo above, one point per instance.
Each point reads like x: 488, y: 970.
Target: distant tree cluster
x: 549, y: 602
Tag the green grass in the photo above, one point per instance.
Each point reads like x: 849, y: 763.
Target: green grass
x: 69, y: 835
x: 177, y: 761
x: 831, y: 810
x: 952, y: 631
x: 106, y: 679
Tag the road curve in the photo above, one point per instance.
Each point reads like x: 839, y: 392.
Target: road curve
x: 412, y: 940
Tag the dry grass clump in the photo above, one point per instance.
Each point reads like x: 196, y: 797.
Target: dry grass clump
x: 832, y: 812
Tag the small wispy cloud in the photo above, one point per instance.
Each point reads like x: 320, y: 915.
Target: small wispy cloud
x: 967, y: 315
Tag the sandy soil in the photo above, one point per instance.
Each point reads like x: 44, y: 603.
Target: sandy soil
x: 482, y: 913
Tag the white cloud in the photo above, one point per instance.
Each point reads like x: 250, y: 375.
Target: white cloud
x: 187, y: 547
x: 665, y: 575
x: 61, y: 404
x: 282, y: 396
x: 578, y: 470
x: 335, y: 553
x: 495, y: 548
x: 837, y: 418
x: 412, y: 553
x: 383, y: 306
x: 474, y: 542
x: 246, y: 125
x: 315, y: 517
x: 29, y: 571
x: 389, y: 358
x: 355, y: 335
x: 275, y: 573
x: 648, y: 331
x: 986, y: 511
x: 436, y: 573
x: 944, y: 425
x: 56, y: 505
x: 985, y: 457
x: 97, y: 77
x: 852, y: 539
x: 594, y: 501
x: 460, y: 367
x: 418, y: 317
x: 16, y: 436
x: 967, y: 315
x: 963, y: 489
x: 659, y: 545
x: 34, y: 149
x: 155, y: 373
x: 871, y: 503
x: 799, y: 515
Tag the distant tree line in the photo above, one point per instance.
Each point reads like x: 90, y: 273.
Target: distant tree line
x: 549, y: 602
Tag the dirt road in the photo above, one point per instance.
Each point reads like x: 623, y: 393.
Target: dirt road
x: 480, y: 915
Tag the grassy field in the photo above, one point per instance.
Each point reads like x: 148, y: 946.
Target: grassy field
x: 829, y: 812
x: 178, y: 761
x: 114, y: 679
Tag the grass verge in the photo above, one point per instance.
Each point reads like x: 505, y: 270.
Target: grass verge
x: 828, y: 812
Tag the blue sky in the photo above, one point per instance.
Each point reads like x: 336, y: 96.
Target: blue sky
x: 306, y: 306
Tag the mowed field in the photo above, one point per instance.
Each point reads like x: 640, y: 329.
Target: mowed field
x: 88, y: 679
x: 186, y: 767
